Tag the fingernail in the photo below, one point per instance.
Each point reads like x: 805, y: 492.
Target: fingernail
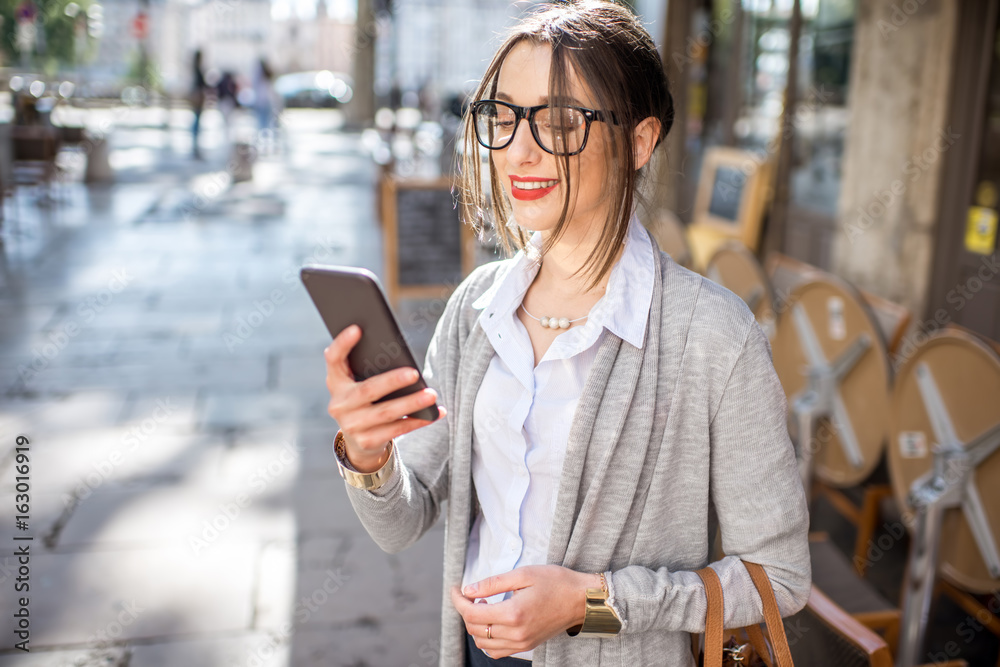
x: 469, y: 590
x: 412, y: 375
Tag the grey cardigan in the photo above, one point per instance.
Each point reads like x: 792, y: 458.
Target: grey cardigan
x: 669, y: 441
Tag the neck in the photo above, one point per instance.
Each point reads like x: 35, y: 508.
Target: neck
x: 568, y: 255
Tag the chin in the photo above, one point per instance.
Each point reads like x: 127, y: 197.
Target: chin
x: 533, y: 217
x: 532, y: 224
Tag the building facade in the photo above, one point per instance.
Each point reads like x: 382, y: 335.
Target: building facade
x: 892, y: 169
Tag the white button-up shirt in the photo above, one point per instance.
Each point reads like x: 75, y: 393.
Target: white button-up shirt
x: 523, y: 413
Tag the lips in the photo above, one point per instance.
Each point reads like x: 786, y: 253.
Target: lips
x: 529, y: 188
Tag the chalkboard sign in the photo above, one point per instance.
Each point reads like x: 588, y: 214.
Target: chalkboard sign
x: 727, y: 193
x: 732, y: 195
x: 428, y: 251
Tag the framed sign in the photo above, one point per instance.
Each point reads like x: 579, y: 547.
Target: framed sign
x: 427, y: 248
x: 733, y: 191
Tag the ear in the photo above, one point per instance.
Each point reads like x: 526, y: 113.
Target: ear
x: 644, y: 139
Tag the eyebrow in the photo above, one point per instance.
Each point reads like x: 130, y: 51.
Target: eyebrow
x: 543, y: 100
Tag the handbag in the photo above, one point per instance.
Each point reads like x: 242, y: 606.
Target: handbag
x: 746, y: 647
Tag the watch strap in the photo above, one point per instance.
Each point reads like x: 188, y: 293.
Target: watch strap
x: 363, y: 480
x: 600, y: 618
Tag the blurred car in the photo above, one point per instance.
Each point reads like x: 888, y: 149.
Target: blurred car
x: 322, y: 89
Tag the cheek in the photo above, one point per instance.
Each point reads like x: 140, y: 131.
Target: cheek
x: 499, y: 161
x: 592, y: 178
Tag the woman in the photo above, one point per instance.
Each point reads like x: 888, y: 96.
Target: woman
x: 265, y: 106
x: 607, y: 408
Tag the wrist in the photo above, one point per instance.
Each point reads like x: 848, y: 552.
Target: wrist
x: 368, y: 464
x: 367, y: 477
x: 585, y: 580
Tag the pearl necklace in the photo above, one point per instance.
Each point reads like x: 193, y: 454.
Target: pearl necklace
x: 553, y: 322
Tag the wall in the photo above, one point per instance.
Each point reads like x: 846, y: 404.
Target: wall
x: 895, y: 140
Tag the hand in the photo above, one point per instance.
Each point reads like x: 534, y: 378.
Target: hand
x: 547, y: 600
x: 369, y: 427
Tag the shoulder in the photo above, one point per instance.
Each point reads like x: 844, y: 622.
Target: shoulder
x: 704, y: 314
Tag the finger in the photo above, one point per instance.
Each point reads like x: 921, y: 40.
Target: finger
x: 337, y: 351
x: 497, y: 646
x: 464, y: 606
x: 367, y: 416
x: 387, y: 432
x: 479, y: 615
x: 499, y: 583
x: 383, y: 384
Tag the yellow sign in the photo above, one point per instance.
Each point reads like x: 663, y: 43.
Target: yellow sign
x: 981, y: 230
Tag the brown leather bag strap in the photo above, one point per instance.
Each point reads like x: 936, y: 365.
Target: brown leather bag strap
x: 759, y: 644
x: 775, y: 628
x: 714, y: 618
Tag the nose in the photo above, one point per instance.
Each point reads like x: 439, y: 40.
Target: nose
x: 523, y: 149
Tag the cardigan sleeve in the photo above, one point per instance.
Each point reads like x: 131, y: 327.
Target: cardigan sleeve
x: 761, y: 507
x: 398, y: 514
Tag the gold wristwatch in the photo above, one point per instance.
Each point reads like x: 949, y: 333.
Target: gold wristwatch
x: 600, y: 619
x: 362, y: 480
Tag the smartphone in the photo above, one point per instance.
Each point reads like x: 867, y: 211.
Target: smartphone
x: 346, y: 295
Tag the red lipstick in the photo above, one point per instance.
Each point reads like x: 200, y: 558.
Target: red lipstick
x: 533, y: 193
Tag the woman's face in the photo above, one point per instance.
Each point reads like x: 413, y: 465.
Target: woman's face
x: 524, y: 81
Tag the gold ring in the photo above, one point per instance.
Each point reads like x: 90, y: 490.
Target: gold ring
x: 489, y: 631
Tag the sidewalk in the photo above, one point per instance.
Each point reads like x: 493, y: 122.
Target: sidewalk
x: 159, y: 353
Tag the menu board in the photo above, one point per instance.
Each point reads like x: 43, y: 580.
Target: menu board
x: 428, y: 251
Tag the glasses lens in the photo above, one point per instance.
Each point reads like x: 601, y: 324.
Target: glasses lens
x: 561, y: 129
x: 494, y: 124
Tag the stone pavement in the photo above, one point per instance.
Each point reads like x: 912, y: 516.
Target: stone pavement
x: 159, y: 353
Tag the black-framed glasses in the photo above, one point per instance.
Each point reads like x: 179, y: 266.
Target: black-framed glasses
x: 559, y: 130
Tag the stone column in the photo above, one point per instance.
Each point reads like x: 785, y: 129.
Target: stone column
x: 361, y: 110
x: 896, y: 137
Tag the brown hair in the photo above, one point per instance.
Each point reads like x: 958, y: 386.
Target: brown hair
x: 610, y: 50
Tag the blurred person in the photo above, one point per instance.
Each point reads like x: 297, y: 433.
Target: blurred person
x: 196, y: 97
x: 604, y: 410
x: 227, y: 94
x: 265, y: 104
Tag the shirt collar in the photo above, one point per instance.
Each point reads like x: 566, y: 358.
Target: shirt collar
x: 624, y: 308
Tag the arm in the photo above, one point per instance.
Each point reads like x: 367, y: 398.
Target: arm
x: 398, y: 513
x: 761, y: 507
